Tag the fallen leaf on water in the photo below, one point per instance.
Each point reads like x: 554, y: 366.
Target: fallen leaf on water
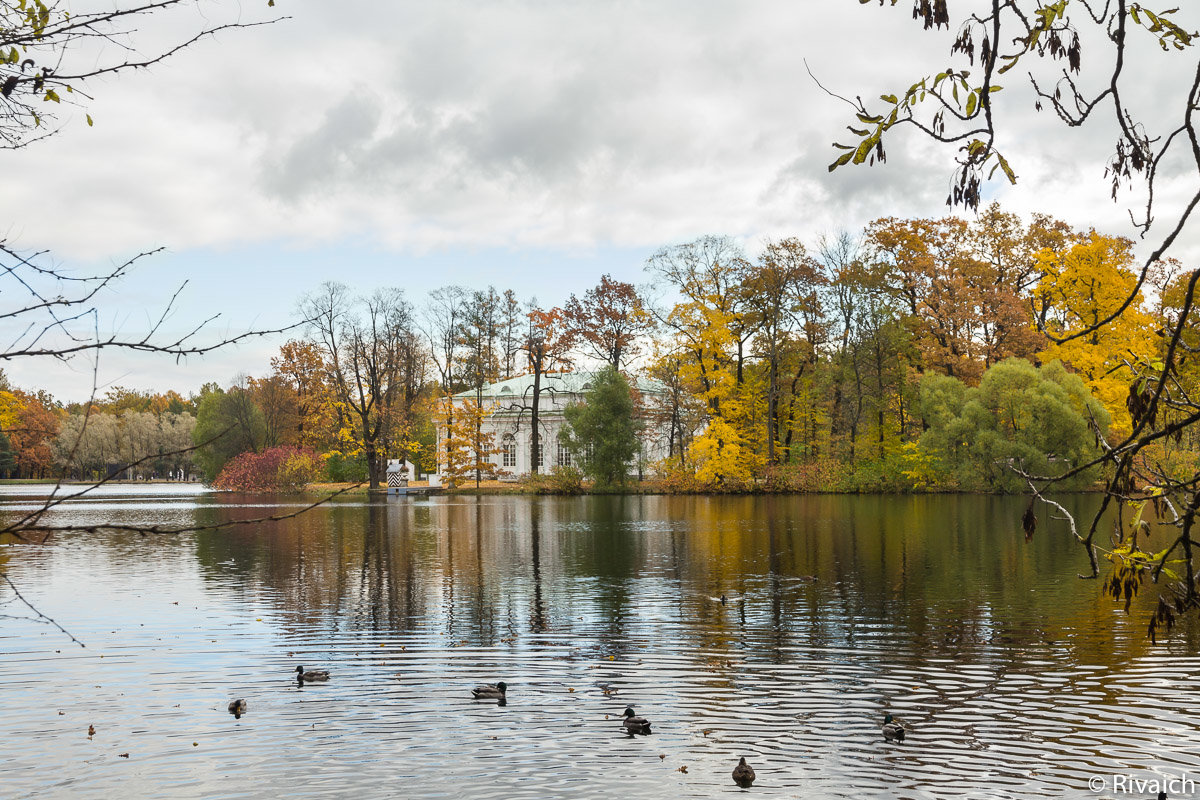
x: 682, y: 769
x: 612, y: 658
x: 62, y: 713
x: 662, y: 756
x: 706, y: 732
x: 91, y: 731
x: 195, y: 744
x: 123, y: 755
x: 570, y: 688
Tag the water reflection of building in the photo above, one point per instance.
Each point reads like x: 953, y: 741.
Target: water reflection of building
x: 508, y: 424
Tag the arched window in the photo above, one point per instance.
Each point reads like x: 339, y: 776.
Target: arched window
x: 508, y: 450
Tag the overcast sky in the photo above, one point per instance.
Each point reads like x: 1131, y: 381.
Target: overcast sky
x: 524, y: 144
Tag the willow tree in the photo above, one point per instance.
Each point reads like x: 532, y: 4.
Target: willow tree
x: 1081, y: 87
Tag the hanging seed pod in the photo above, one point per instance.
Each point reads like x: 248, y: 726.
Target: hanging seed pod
x: 1029, y: 521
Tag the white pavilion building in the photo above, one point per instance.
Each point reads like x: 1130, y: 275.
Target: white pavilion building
x: 510, y: 421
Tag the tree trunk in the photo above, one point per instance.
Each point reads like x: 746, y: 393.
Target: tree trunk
x: 773, y: 407
x: 373, y: 470
x: 536, y: 434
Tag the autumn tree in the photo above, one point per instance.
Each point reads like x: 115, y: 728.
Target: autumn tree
x: 478, y: 334
x: 1008, y: 249
x: 678, y: 410
x: 708, y: 273
x: 547, y: 348
x: 782, y: 291
x: 376, y: 368
x: 608, y: 321
x: 931, y: 268
x: 464, y: 446
x: 277, y: 400
x: 868, y: 349
x: 710, y: 328
x: 725, y: 453
x: 34, y: 424
x: 1080, y: 287
x: 442, y: 320
x: 850, y: 284
x: 301, y: 366
x: 512, y: 329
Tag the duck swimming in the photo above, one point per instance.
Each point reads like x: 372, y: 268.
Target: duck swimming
x: 635, y: 724
x: 237, y: 708
x: 743, y: 774
x: 311, y: 675
x: 491, y: 691
x: 892, y: 729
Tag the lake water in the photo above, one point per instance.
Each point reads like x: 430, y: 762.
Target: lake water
x: 1016, y: 679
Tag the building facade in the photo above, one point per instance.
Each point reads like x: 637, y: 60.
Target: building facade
x: 509, y: 421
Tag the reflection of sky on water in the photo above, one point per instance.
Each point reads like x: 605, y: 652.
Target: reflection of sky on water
x: 1019, y: 681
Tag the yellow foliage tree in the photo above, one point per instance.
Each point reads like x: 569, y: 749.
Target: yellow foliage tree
x: 729, y: 449
x: 1081, y: 286
x: 465, y: 446
x: 10, y: 409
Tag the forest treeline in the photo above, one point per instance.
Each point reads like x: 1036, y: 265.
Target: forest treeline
x: 915, y: 354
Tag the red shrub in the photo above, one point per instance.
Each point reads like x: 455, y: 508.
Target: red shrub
x: 276, y: 469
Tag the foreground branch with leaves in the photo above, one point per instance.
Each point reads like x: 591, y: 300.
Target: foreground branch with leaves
x: 50, y: 55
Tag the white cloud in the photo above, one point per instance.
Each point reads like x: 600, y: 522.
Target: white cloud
x: 422, y: 129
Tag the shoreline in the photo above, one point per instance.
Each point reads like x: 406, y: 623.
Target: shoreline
x: 490, y: 488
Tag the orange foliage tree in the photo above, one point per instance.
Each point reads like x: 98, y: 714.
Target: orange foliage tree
x: 608, y: 321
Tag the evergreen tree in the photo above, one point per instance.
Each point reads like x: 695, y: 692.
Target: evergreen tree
x: 602, y: 432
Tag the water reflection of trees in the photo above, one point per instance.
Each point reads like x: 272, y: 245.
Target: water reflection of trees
x: 944, y: 577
